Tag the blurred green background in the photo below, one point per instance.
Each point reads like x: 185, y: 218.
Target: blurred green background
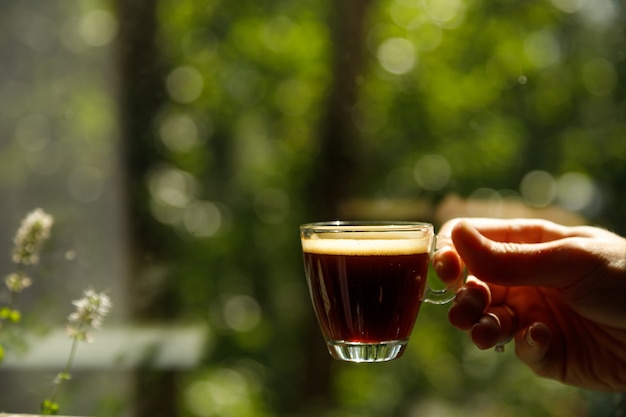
x: 179, y: 144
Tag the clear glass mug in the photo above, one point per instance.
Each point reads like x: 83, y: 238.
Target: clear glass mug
x: 367, y: 281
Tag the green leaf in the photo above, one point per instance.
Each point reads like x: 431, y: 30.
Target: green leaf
x: 63, y: 376
x: 12, y: 315
x: 49, y: 407
x: 15, y: 316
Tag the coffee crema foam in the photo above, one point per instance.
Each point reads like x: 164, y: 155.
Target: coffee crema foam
x: 366, y: 246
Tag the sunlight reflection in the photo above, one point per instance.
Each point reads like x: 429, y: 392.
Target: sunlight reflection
x: 397, y: 55
x: 179, y: 132
x: 406, y: 14
x: 172, y: 186
x: 245, y: 86
x: 542, y: 48
x: 280, y: 33
x: 575, y: 191
x: 242, y: 313
x: 599, y: 77
x: 225, y: 392
x: 185, y: 84
x: 538, y: 188
x: 568, y: 6
x: 208, y: 397
x: 174, y: 201
x: 97, y: 27
x: 202, y: 219
x: 427, y: 36
x: 599, y: 12
x: 447, y: 13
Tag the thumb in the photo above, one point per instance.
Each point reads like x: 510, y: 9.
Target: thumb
x: 550, y: 264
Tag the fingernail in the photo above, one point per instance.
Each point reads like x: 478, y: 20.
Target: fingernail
x: 529, y: 337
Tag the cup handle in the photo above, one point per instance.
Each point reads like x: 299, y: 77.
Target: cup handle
x: 443, y: 296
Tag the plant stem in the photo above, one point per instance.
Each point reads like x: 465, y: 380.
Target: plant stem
x: 65, y: 374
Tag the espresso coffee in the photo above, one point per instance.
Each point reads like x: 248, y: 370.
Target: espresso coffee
x: 366, y: 290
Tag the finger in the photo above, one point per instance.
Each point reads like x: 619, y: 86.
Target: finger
x: 448, y: 265
x: 496, y: 327
x: 532, y: 345
x: 515, y: 230
x: 447, y: 227
x: 469, y: 305
x: 486, y: 332
x: 516, y: 264
x: 499, y: 293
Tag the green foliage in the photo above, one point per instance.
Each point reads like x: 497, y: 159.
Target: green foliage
x: 10, y: 314
x: 49, y: 408
x: 493, y: 89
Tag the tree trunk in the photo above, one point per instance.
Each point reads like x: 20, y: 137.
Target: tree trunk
x: 339, y: 153
x: 141, y: 95
x: 337, y: 164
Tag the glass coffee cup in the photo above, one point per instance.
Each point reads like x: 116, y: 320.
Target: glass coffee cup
x: 367, y: 282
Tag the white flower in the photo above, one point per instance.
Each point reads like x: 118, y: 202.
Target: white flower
x: 90, y: 312
x: 33, y: 231
x: 17, y: 281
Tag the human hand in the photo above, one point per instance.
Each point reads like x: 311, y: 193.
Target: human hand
x: 559, y: 292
